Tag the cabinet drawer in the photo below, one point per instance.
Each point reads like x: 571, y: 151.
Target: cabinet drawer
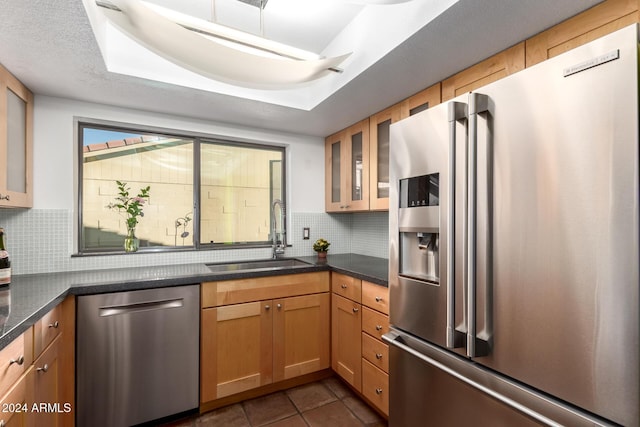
x: 375, y: 386
x: 346, y: 286
x: 374, y: 323
x: 46, y: 329
x: 375, y: 352
x: 15, y: 359
x: 239, y: 291
x: 375, y: 296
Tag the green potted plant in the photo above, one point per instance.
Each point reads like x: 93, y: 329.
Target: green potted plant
x: 131, y: 208
x: 321, y: 246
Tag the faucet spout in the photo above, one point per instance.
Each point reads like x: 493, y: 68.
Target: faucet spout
x: 278, y: 245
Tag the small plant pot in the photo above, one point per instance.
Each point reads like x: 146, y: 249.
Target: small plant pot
x: 322, y: 254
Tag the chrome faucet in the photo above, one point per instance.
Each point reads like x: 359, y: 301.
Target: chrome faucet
x: 278, y: 245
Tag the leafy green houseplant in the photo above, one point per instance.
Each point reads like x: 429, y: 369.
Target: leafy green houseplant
x: 132, y: 208
x: 321, y: 246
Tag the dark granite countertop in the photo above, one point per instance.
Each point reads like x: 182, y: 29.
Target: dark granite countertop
x: 31, y: 296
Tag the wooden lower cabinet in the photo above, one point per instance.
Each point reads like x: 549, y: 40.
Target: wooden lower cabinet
x: 236, y: 349
x: 47, y: 406
x: 16, y: 403
x: 301, y: 335
x: 245, y: 346
x: 346, y: 344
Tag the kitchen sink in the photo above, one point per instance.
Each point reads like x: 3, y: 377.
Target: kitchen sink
x: 263, y: 265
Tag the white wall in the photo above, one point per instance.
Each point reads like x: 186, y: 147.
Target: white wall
x: 42, y: 239
x: 55, y: 150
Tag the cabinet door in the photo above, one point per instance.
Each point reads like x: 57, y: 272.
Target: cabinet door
x: 46, y: 390
x: 15, y: 403
x: 357, y: 177
x: 421, y: 101
x: 379, y: 126
x: 600, y: 20
x: 346, y: 342
x: 335, y: 172
x: 347, y: 169
x: 301, y: 332
x: 236, y: 349
x: 492, y: 69
x: 16, y: 142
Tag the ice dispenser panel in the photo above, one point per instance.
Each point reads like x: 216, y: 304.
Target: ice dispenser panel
x: 420, y: 256
x: 420, y: 191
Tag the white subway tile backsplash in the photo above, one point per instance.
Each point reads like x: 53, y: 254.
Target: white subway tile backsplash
x: 41, y: 241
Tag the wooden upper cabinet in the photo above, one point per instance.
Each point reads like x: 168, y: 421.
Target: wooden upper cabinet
x: 421, y: 101
x: 602, y: 19
x: 16, y: 142
x: 488, y: 71
x: 347, y: 169
x: 379, y: 126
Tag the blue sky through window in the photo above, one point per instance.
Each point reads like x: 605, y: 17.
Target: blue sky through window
x: 93, y: 136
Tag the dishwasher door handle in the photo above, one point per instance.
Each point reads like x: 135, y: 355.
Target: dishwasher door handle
x: 140, y: 306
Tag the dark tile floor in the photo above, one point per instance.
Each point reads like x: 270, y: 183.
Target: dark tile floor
x: 324, y: 403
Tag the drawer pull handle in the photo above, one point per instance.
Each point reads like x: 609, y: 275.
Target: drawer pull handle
x: 378, y: 391
x: 45, y: 368
x: 355, y: 310
x: 2, y: 423
x: 343, y: 286
x: 378, y: 327
x: 378, y: 299
x: 267, y: 307
x: 54, y: 325
x: 19, y: 361
x: 378, y: 356
x: 279, y: 306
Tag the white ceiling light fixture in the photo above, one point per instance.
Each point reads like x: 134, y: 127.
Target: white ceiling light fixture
x: 215, y: 51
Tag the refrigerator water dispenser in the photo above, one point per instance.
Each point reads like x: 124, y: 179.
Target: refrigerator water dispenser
x: 420, y: 256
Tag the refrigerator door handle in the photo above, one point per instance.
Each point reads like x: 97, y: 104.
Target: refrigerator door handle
x: 454, y: 339
x: 478, y: 103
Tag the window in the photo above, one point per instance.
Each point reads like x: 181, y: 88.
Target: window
x: 234, y: 184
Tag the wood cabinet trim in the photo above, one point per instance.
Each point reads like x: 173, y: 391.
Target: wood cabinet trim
x: 375, y: 351
x: 346, y: 286
x: 346, y: 342
x: 374, y: 323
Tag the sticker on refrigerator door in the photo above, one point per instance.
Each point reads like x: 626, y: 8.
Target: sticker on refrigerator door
x: 602, y: 59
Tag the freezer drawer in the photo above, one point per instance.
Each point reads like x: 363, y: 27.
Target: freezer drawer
x: 429, y: 386
x: 137, y: 355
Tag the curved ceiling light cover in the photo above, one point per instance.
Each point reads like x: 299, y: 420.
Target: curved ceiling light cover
x: 209, y: 58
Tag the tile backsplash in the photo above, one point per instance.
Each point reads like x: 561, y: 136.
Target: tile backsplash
x: 41, y: 241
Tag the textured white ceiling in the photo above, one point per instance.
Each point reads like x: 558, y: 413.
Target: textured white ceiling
x: 51, y: 48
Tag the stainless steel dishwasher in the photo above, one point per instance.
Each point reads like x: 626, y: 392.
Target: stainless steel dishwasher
x: 137, y: 355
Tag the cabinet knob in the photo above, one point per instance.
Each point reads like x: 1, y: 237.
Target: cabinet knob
x: 343, y: 286
x: 378, y: 299
x: 378, y: 327
x: 267, y: 307
x: 355, y: 309
x: 45, y: 368
x: 279, y: 306
x: 54, y: 324
x: 378, y: 391
x: 19, y: 361
x: 2, y: 423
x: 378, y: 356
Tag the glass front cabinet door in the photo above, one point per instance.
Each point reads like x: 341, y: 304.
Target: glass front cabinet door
x: 16, y: 142
x: 347, y: 169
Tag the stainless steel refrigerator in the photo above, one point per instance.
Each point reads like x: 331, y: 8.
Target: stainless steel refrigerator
x: 514, y: 249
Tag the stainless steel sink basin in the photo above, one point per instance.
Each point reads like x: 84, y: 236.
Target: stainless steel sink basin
x: 263, y: 265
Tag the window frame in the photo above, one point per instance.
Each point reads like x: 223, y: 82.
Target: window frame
x: 198, y: 139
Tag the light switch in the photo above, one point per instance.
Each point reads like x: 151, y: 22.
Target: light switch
x: 305, y: 233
